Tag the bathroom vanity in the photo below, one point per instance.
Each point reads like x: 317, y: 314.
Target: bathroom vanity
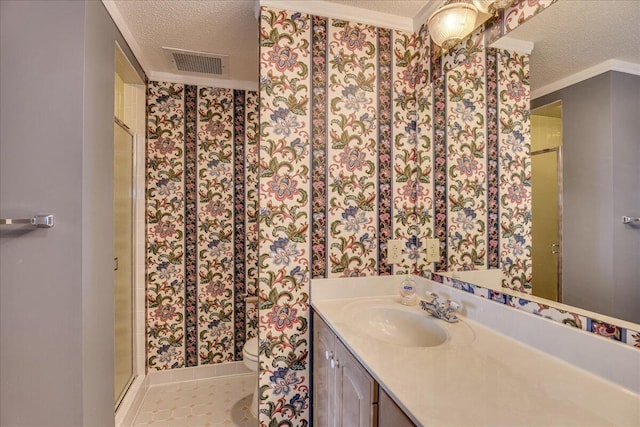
x: 345, y: 393
x: 380, y: 363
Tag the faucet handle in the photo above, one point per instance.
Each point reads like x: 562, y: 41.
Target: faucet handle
x: 432, y: 296
x: 453, y: 306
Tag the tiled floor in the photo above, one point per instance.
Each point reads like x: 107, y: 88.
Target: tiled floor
x: 221, y: 401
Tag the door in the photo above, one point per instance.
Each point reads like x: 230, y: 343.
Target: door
x: 356, y: 391
x: 323, y: 374
x: 546, y: 206
x: 123, y: 261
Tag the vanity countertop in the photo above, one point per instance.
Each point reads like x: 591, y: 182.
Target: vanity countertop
x: 478, y: 377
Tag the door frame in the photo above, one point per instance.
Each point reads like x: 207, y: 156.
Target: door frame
x: 559, y: 187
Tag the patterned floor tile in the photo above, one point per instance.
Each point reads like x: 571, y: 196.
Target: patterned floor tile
x: 222, y: 401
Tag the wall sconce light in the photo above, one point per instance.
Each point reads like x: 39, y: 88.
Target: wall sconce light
x: 451, y: 23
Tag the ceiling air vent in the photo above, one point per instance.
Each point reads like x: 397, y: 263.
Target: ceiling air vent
x: 199, y: 62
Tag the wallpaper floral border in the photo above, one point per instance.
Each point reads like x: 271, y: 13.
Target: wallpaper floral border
x: 618, y: 333
x: 200, y: 203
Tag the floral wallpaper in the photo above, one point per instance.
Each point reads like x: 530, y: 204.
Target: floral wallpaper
x: 369, y: 134
x: 338, y: 147
x: 201, y: 218
x: 482, y: 160
x: 365, y: 134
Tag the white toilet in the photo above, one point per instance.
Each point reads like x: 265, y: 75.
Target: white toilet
x: 250, y: 358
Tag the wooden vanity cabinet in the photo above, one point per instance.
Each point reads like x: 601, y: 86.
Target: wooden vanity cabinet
x: 344, y: 394
x: 390, y: 414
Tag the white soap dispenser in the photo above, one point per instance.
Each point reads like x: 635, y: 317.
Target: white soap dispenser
x: 408, y: 291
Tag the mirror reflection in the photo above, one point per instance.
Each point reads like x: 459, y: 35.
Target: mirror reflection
x: 585, y: 103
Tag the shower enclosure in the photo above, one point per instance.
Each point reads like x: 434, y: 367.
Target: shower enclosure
x: 122, y: 263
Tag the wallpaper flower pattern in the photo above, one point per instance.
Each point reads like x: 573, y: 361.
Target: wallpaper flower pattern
x: 465, y: 85
x: 353, y: 149
x: 328, y: 187
x: 196, y: 216
x: 368, y: 134
x: 285, y: 217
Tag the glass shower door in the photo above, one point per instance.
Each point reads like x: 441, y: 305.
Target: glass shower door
x: 122, y: 263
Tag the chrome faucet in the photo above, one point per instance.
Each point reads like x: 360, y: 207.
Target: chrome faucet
x: 441, y: 310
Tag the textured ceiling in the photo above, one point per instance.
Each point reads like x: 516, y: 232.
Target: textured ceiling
x: 569, y: 36
x: 217, y: 26
x: 573, y: 35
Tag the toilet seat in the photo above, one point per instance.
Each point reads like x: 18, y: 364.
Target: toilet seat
x: 250, y: 349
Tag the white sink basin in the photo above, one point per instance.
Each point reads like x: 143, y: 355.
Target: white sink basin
x: 397, y: 324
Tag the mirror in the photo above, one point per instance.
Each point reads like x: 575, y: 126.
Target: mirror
x: 585, y: 84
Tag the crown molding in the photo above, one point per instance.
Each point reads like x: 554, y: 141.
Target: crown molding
x: 424, y: 14
x: 513, y: 45
x: 202, y: 81
x: 344, y: 12
x: 603, y: 67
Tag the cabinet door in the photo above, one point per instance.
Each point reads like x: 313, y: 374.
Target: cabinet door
x: 390, y: 414
x: 323, y: 374
x: 356, y: 394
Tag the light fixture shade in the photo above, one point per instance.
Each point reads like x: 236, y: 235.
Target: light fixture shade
x: 451, y: 23
x: 483, y: 6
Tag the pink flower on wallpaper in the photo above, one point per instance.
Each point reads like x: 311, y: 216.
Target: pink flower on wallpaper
x: 164, y: 229
x: 605, y: 330
x: 283, y: 187
x: 165, y: 312
x: 516, y: 90
x: 283, y: 58
x: 353, y: 37
x: 412, y: 190
x: 216, y: 288
x: 467, y: 165
x: 352, y: 158
x: 164, y: 145
x: 517, y: 193
x: 282, y: 317
x: 216, y: 208
x: 412, y: 75
x: 215, y: 127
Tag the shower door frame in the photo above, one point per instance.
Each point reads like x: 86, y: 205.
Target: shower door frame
x: 132, y: 377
